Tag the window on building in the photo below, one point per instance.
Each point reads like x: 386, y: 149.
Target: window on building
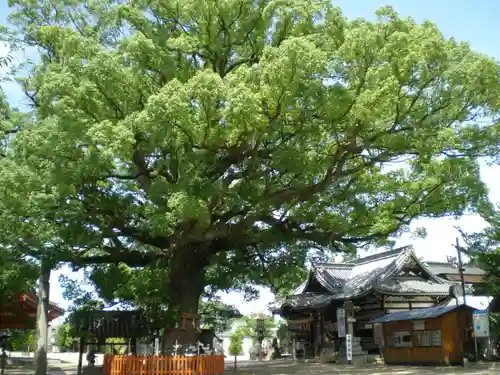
x: 427, y: 338
x: 399, y: 340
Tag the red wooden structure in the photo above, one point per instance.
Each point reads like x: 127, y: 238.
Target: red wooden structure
x: 20, y: 312
x: 163, y: 365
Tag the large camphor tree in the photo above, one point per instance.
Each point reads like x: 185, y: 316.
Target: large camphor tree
x: 221, y: 140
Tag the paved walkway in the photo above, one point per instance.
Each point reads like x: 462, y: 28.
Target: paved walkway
x: 371, y: 369
x: 289, y: 368
x: 54, y: 369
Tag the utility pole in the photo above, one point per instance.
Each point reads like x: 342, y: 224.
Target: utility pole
x: 461, y: 268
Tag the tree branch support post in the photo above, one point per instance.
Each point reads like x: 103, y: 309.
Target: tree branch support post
x: 80, y: 356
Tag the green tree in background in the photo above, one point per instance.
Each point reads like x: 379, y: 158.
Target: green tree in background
x: 116, y: 346
x: 17, y: 275
x: 236, y: 343
x: 249, y: 329
x: 63, y: 339
x: 484, y: 249
x: 217, y: 315
x: 22, y: 340
x: 222, y: 144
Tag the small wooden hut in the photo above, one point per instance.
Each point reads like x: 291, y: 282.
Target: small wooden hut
x: 431, y: 336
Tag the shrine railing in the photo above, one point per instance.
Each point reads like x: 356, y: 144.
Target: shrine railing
x: 163, y: 365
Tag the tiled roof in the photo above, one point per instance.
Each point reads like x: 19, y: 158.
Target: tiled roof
x: 300, y: 289
x: 413, y: 287
x: 308, y: 300
x: 358, y: 277
x: 332, y: 277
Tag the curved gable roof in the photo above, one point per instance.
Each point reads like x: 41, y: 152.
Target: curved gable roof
x: 358, y: 277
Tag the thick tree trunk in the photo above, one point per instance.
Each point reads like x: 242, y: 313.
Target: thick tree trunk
x: 186, y: 284
x: 42, y: 321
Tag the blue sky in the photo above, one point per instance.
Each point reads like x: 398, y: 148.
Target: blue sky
x: 475, y: 22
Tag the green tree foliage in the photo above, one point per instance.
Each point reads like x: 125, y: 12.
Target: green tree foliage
x: 249, y: 329
x: 222, y: 141
x: 5, y: 60
x: 282, y: 332
x: 484, y: 249
x: 116, y: 346
x: 16, y: 274
x: 83, y: 299
x: 63, y: 339
x: 217, y: 315
x: 22, y: 340
x: 236, y: 343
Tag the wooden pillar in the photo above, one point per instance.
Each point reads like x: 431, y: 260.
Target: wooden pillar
x: 318, y: 341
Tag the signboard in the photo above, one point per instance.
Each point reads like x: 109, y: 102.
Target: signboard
x: 481, y: 323
x: 298, y: 327
x: 341, y: 322
x: 348, y: 347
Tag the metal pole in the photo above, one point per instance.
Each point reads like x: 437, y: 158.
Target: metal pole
x: 462, y: 282
x: 475, y: 347
x: 489, y: 349
x: 461, y: 269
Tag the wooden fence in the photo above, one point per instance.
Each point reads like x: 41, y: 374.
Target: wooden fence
x: 163, y: 365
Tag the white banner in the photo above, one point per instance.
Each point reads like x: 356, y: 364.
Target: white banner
x: 348, y: 347
x: 341, y: 322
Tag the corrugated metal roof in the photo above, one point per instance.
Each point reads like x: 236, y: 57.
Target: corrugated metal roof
x: 476, y: 302
x: 419, y: 314
x: 440, y: 268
